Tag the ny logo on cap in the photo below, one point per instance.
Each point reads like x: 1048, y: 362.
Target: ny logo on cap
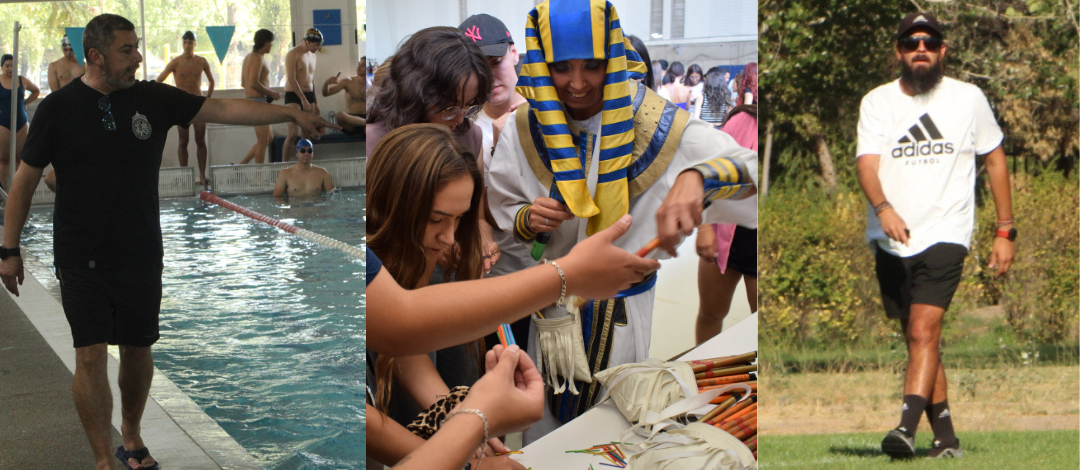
x: 474, y: 33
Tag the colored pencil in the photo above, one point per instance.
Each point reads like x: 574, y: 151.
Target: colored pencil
x: 648, y: 247
x: 726, y: 379
x: 725, y: 371
x: 721, y: 407
x: 706, y: 364
x: 752, y: 400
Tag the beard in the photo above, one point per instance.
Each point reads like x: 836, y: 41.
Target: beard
x: 922, y: 80
x: 117, y: 81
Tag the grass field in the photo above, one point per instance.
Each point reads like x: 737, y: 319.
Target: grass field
x: 1044, y: 450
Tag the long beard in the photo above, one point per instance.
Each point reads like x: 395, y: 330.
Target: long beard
x: 117, y: 82
x: 924, y: 80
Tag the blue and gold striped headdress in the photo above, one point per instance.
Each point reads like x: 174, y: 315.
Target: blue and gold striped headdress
x: 559, y: 30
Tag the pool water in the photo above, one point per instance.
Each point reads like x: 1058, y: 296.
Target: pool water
x: 265, y: 331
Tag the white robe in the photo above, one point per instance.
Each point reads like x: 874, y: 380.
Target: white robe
x: 512, y: 184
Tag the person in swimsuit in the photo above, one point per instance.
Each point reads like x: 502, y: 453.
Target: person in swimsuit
x: 255, y: 78
x: 6, y: 81
x: 354, y: 118
x: 300, y: 82
x: 187, y: 70
x: 64, y: 69
x: 303, y: 178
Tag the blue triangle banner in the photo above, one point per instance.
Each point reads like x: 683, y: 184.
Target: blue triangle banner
x: 221, y: 37
x: 75, y: 36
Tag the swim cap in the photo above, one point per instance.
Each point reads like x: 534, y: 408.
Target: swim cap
x: 189, y: 35
x: 313, y: 35
x: 303, y: 143
x: 65, y: 42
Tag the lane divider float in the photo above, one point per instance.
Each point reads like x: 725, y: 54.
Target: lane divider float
x: 302, y: 233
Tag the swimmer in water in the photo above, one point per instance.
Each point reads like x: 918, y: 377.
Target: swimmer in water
x: 303, y: 178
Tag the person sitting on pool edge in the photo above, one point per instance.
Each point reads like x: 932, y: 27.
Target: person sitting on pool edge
x: 303, y: 178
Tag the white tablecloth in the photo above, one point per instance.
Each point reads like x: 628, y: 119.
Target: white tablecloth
x: 604, y: 423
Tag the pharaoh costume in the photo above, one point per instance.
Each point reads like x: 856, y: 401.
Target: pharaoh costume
x: 624, y: 159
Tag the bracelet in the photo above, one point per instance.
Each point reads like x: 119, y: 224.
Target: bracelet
x: 1002, y: 223
x: 562, y: 277
x: 482, y: 417
x: 881, y: 207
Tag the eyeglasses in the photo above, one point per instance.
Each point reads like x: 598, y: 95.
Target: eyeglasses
x: 106, y: 107
x: 306, y: 150
x: 911, y: 43
x: 451, y: 113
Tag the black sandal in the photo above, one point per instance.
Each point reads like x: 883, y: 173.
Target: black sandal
x: 124, y: 455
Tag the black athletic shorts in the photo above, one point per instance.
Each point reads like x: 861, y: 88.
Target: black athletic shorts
x: 930, y: 277
x: 115, y: 306
x: 291, y: 97
x: 742, y: 256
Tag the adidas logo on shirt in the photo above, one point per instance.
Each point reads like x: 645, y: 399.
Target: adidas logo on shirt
x: 921, y: 141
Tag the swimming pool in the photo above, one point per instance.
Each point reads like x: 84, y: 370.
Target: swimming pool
x: 263, y: 330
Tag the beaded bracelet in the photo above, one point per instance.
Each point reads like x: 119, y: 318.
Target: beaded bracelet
x: 881, y: 207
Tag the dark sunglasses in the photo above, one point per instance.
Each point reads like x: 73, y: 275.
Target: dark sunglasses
x: 106, y: 107
x: 306, y: 150
x: 911, y: 43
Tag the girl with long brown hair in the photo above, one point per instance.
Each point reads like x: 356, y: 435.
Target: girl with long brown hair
x: 424, y: 210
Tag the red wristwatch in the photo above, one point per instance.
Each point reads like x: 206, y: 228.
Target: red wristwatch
x: 1009, y: 234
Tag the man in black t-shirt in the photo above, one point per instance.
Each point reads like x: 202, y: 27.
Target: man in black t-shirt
x: 103, y: 134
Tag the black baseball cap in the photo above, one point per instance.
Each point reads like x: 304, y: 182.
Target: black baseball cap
x: 489, y: 33
x: 189, y: 36
x: 919, y: 20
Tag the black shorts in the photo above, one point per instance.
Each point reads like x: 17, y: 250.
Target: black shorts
x: 115, y: 306
x: 742, y: 256
x: 291, y: 97
x: 930, y: 277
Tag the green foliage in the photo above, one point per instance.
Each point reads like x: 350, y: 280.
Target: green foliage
x: 1040, y: 294
x: 819, y: 271
x: 820, y: 286
x: 821, y: 57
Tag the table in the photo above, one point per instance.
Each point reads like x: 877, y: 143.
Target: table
x: 604, y: 423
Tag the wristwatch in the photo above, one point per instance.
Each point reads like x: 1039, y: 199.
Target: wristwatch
x: 1009, y: 234
x: 7, y: 252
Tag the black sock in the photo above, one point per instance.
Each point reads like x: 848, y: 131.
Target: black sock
x: 941, y: 421
x: 914, y: 406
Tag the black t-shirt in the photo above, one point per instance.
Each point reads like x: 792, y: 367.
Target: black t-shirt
x: 106, y: 209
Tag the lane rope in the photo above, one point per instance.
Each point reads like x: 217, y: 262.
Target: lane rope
x: 302, y: 233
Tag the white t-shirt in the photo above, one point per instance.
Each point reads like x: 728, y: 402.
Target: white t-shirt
x: 487, y: 126
x: 928, y: 144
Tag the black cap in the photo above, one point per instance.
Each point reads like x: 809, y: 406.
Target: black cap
x: 919, y: 20
x: 489, y: 33
x: 188, y: 35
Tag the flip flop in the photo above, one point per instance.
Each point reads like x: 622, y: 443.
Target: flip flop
x: 124, y: 455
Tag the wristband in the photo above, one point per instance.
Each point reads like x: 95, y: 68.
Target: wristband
x: 483, y: 418
x: 881, y: 207
x: 562, y: 278
x: 1002, y: 223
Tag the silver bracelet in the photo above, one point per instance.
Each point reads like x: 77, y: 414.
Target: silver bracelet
x: 562, y: 278
x: 483, y: 418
